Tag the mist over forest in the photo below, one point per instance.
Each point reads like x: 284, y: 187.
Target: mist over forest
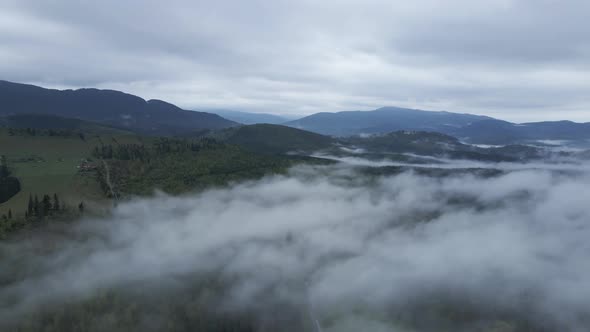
x: 295, y: 166
x: 320, y: 248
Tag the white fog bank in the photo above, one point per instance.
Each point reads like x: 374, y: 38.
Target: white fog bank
x: 355, y: 250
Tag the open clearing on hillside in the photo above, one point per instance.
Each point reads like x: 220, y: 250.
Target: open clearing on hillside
x: 49, y: 164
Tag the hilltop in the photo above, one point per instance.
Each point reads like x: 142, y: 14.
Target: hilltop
x: 110, y: 107
x: 275, y: 139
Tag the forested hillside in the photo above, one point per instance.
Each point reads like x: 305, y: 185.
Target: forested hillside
x: 109, y: 107
x: 68, y: 167
x: 274, y: 139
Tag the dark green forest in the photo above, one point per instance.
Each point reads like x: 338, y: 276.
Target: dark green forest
x: 177, y: 166
x: 9, y: 185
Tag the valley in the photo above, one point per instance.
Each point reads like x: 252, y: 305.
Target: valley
x: 266, y: 227
x: 294, y: 166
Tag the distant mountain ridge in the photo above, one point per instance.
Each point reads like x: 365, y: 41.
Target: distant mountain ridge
x: 108, y: 107
x: 468, y: 127
x: 156, y: 117
x: 441, y: 145
x: 503, y: 132
x: 382, y: 120
x: 249, y: 118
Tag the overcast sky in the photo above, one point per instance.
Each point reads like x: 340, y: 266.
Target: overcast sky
x: 517, y: 60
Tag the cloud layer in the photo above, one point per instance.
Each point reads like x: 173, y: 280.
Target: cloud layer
x: 360, y: 253
x: 514, y: 59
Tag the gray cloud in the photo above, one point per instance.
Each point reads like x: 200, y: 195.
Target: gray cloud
x: 358, y: 251
x: 519, y: 60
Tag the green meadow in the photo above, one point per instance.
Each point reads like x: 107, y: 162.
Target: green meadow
x: 49, y: 164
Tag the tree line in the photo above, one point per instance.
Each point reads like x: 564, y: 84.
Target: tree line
x: 39, y: 208
x: 45, y: 132
x: 43, y: 207
x: 162, y: 146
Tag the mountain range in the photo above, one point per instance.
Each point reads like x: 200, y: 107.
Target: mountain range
x: 382, y: 120
x: 156, y: 117
x: 113, y: 108
x: 503, y: 132
x: 467, y: 127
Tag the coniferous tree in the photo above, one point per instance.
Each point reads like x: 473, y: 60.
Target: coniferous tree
x: 46, y: 206
x: 31, y: 207
x: 37, y: 206
x: 55, y: 202
x: 9, y: 213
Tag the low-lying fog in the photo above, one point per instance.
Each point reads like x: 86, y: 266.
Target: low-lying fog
x: 556, y: 164
x: 355, y: 253
x: 561, y: 156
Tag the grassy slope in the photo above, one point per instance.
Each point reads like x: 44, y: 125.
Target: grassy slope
x: 48, y: 164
